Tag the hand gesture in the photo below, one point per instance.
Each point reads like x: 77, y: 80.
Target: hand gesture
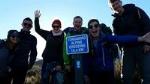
x: 68, y: 68
x: 58, y: 68
x: 37, y: 13
x: 146, y: 37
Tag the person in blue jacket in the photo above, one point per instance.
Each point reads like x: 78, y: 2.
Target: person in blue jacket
x: 7, y: 50
x: 102, y: 64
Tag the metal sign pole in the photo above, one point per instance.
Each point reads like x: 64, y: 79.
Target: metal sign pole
x: 76, y: 46
x: 78, y: 69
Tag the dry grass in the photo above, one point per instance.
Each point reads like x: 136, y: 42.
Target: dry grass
x: 33, y: 76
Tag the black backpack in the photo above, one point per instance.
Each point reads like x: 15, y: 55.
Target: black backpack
x: 114, y: 47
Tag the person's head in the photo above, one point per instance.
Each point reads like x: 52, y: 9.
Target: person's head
x: 77, y: 22
x: 12, y: 36
x: 116, y: 6
x: 56, y: 25
x: 27, y: 24
x: 94, y: 27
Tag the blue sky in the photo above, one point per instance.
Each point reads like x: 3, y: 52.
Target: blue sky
x: 14, y: 11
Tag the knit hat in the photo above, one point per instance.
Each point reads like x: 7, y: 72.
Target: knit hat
x: 57, y: 21
x: 12, y: 33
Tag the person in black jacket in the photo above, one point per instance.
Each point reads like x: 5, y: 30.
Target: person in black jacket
x: 132, y: 20
x: 7, y: 50
x: 26, y: 53
x: 53, y: 52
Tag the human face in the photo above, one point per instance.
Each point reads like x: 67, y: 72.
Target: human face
x: 77, y: 23
x: 56, y: 28
x: 94, y: 29
x: 117, y: 6
x: 27, y: 25
x: 14, y: 38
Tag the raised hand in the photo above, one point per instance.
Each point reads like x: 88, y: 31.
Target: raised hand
x: 37, y: 13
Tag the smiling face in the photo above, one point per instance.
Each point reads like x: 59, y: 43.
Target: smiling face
x: 56, y: 27
x: 27, y: 25
x: 117, y: 6
x: 14, y: 40
x: 77, y: 23
x: 13, y: 37
x: 94, y: 29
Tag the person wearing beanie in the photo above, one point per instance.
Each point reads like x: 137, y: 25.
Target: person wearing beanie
x: 12, y: 33
x: 56, y: 21
x: 26, y: 53
x: 7, y: 51
x: 52, y: 54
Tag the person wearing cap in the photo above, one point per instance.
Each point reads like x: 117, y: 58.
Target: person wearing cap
x: 7, y: 51
x: 26, y: 53
x: 133, y: 20
x: 53, y: 52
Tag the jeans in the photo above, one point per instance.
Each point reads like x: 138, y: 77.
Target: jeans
x: 47, y: 70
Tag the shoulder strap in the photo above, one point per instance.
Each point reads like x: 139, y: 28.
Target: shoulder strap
x: 139, y: 15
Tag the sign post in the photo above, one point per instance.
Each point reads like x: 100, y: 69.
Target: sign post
x: 76, y: 45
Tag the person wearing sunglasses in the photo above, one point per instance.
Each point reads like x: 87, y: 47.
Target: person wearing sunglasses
x: 26, y: 53
x: 7, y: 51
x: 53, y: 52
x: 133, y: 20
x: 103, y: 67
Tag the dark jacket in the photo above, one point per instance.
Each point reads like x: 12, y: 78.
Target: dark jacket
x: 133, y: 21
x: 6, y: 56
x: 54, y: 45
x: 102, y: 56
x: 25, y: 51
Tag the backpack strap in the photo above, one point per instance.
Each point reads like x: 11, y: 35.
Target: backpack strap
x: 138, y: 13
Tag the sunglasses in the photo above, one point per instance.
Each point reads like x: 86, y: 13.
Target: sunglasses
x: 96, y: 26
x: 56, y: 26
x: 27, y: 24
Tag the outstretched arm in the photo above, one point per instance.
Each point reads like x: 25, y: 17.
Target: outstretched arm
x: 128, y: 38
x: 40, y: 31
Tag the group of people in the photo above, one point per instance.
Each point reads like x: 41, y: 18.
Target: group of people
x: 15, y: 52
x: 131, y: 27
